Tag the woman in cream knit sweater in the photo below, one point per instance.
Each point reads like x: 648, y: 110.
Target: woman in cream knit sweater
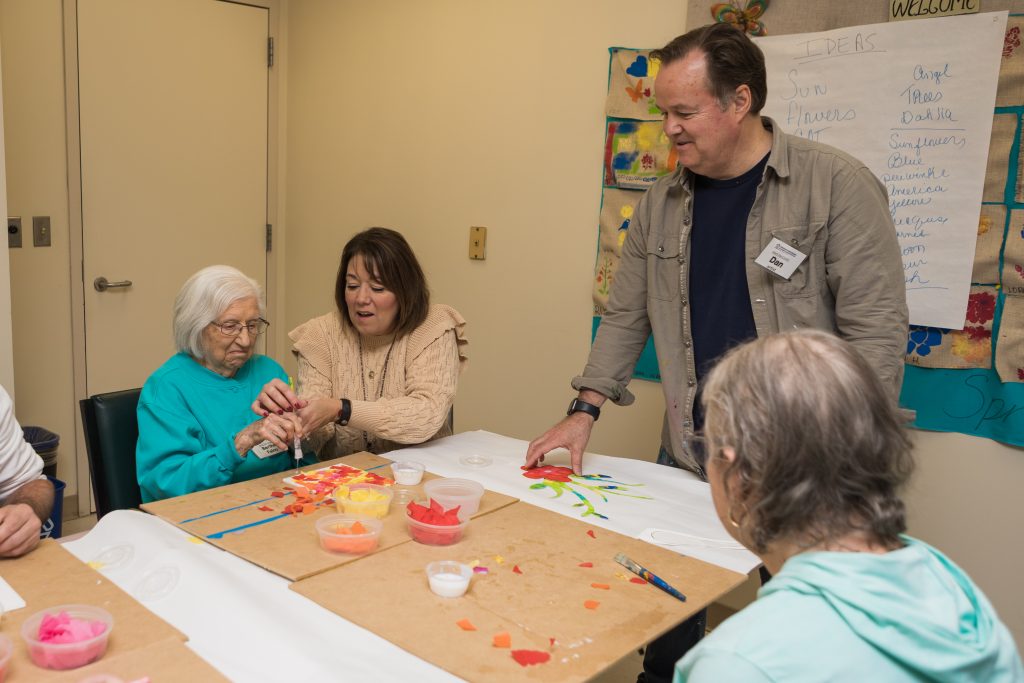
x: 381, y: 371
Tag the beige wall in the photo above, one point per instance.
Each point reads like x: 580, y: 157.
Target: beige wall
x: 432, y: 117
x: 31, y: 52
x: 6, y: 336
x: 966, y: 500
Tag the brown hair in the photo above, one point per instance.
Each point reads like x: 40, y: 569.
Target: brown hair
x: 820, y: 447
x: 389, y: 258
x: 732, y: 60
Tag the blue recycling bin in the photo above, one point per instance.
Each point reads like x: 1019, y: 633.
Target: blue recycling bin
x: 52, y: 526
x: 44, y: 442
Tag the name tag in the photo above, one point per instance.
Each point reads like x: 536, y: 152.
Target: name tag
x: 780, y: 258
x: 265, y: 450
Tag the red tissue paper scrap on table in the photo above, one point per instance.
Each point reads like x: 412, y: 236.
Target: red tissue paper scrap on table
x: 528, y: 657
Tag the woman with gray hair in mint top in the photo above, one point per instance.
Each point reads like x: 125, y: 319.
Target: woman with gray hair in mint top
x: 806, y: 456
x: 195, y: 428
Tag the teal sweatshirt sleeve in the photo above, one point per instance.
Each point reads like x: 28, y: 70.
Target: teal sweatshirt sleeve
x: 171, y: 459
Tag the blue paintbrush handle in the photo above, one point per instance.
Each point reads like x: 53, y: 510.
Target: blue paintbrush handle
x: 648, y: 576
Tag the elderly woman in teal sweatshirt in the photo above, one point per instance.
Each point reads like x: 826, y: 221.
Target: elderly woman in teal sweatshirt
x: 806, y: 455
x: 195, y: 424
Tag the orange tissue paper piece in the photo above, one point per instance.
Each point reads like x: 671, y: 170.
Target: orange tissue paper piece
x: 528, y: 657
x: 277, y: 494
x: 503, y: 639
x: 466, y: 625
x: 602, y: 586
x: 637, y: 579
x: 590, y: 532
x: 552, y: 641
x: 516, y: 569
x: 265, y: 508
x: 588, y: 565
x: 591, y: 604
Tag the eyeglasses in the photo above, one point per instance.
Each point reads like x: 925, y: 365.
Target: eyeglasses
x: 233, y: 328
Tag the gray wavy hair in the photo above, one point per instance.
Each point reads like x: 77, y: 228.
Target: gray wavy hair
x: 820, y: 447
x: 203, y: 297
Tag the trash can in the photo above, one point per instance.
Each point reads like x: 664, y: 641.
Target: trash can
x: 45, y: 443
x: 52, y: 527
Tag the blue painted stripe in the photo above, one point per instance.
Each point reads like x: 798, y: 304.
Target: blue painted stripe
x: 237, y: 507
x: 221, y: 534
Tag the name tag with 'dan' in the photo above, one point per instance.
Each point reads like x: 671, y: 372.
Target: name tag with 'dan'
x: 780, y: 258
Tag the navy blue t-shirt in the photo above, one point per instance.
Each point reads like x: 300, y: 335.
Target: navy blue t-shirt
x: 720, y: 314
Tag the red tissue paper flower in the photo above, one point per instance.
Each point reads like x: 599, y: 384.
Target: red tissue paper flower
x: 549, y: 472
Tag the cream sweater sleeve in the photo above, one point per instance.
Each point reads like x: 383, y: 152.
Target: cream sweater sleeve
x: 431, y: 378
x: 419, y: 389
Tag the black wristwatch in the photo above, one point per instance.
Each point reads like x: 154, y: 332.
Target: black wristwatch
x: 345, y: 414
x: 581, y: 406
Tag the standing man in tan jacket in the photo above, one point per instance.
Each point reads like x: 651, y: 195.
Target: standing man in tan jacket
x: 756, y: 232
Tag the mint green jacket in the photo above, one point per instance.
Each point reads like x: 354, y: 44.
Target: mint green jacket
x: 907, y: 616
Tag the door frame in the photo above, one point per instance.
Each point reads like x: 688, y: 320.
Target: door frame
x: 275, y: 183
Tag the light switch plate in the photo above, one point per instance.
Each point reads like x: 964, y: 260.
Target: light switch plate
x: 40, y: 231
x: 14, y: 232
x: 477, y: 243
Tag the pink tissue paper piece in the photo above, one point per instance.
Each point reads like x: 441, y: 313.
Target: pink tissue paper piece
x: 65, y: 629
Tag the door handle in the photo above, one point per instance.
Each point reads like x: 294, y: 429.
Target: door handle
x: 102, y: 284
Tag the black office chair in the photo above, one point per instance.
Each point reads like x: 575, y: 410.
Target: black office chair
x: 111, y: 431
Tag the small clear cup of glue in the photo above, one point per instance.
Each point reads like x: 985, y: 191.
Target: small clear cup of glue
x: 448, y: 578
x: 407, y: 473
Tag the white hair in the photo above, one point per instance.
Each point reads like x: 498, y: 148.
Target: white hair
x: 203, y: 297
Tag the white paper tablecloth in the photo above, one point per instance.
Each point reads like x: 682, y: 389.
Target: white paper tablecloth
x: 241, y: 619
x: 675, y: 513
x: 247, y: 623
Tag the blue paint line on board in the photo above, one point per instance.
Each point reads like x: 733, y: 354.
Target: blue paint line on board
x: 221, y: 534
x: 377, y: 467
x: 237, y: 507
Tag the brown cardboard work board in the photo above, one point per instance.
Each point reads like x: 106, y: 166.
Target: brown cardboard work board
x: 50, y: 576
x: 388, y: 594
x: 170, y: 660
x: 285, y: 545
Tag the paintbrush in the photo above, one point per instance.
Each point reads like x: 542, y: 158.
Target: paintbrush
x: 648, y: 576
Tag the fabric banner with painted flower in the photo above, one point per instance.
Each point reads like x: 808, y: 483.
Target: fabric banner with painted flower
x: 617, y: 208
x: 636, y: 154
x: 971, y: 347
x: 631, y: 85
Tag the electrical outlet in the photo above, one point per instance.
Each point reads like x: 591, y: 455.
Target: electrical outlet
x: 477, y: 243
x: 40, y: 231
x: 14, y: 232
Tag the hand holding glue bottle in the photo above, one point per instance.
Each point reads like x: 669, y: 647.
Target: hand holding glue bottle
x: 288, y: 397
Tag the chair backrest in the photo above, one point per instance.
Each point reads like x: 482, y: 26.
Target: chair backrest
x: 111, y: 428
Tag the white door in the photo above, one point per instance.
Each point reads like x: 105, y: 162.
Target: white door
x: 173, y: 127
